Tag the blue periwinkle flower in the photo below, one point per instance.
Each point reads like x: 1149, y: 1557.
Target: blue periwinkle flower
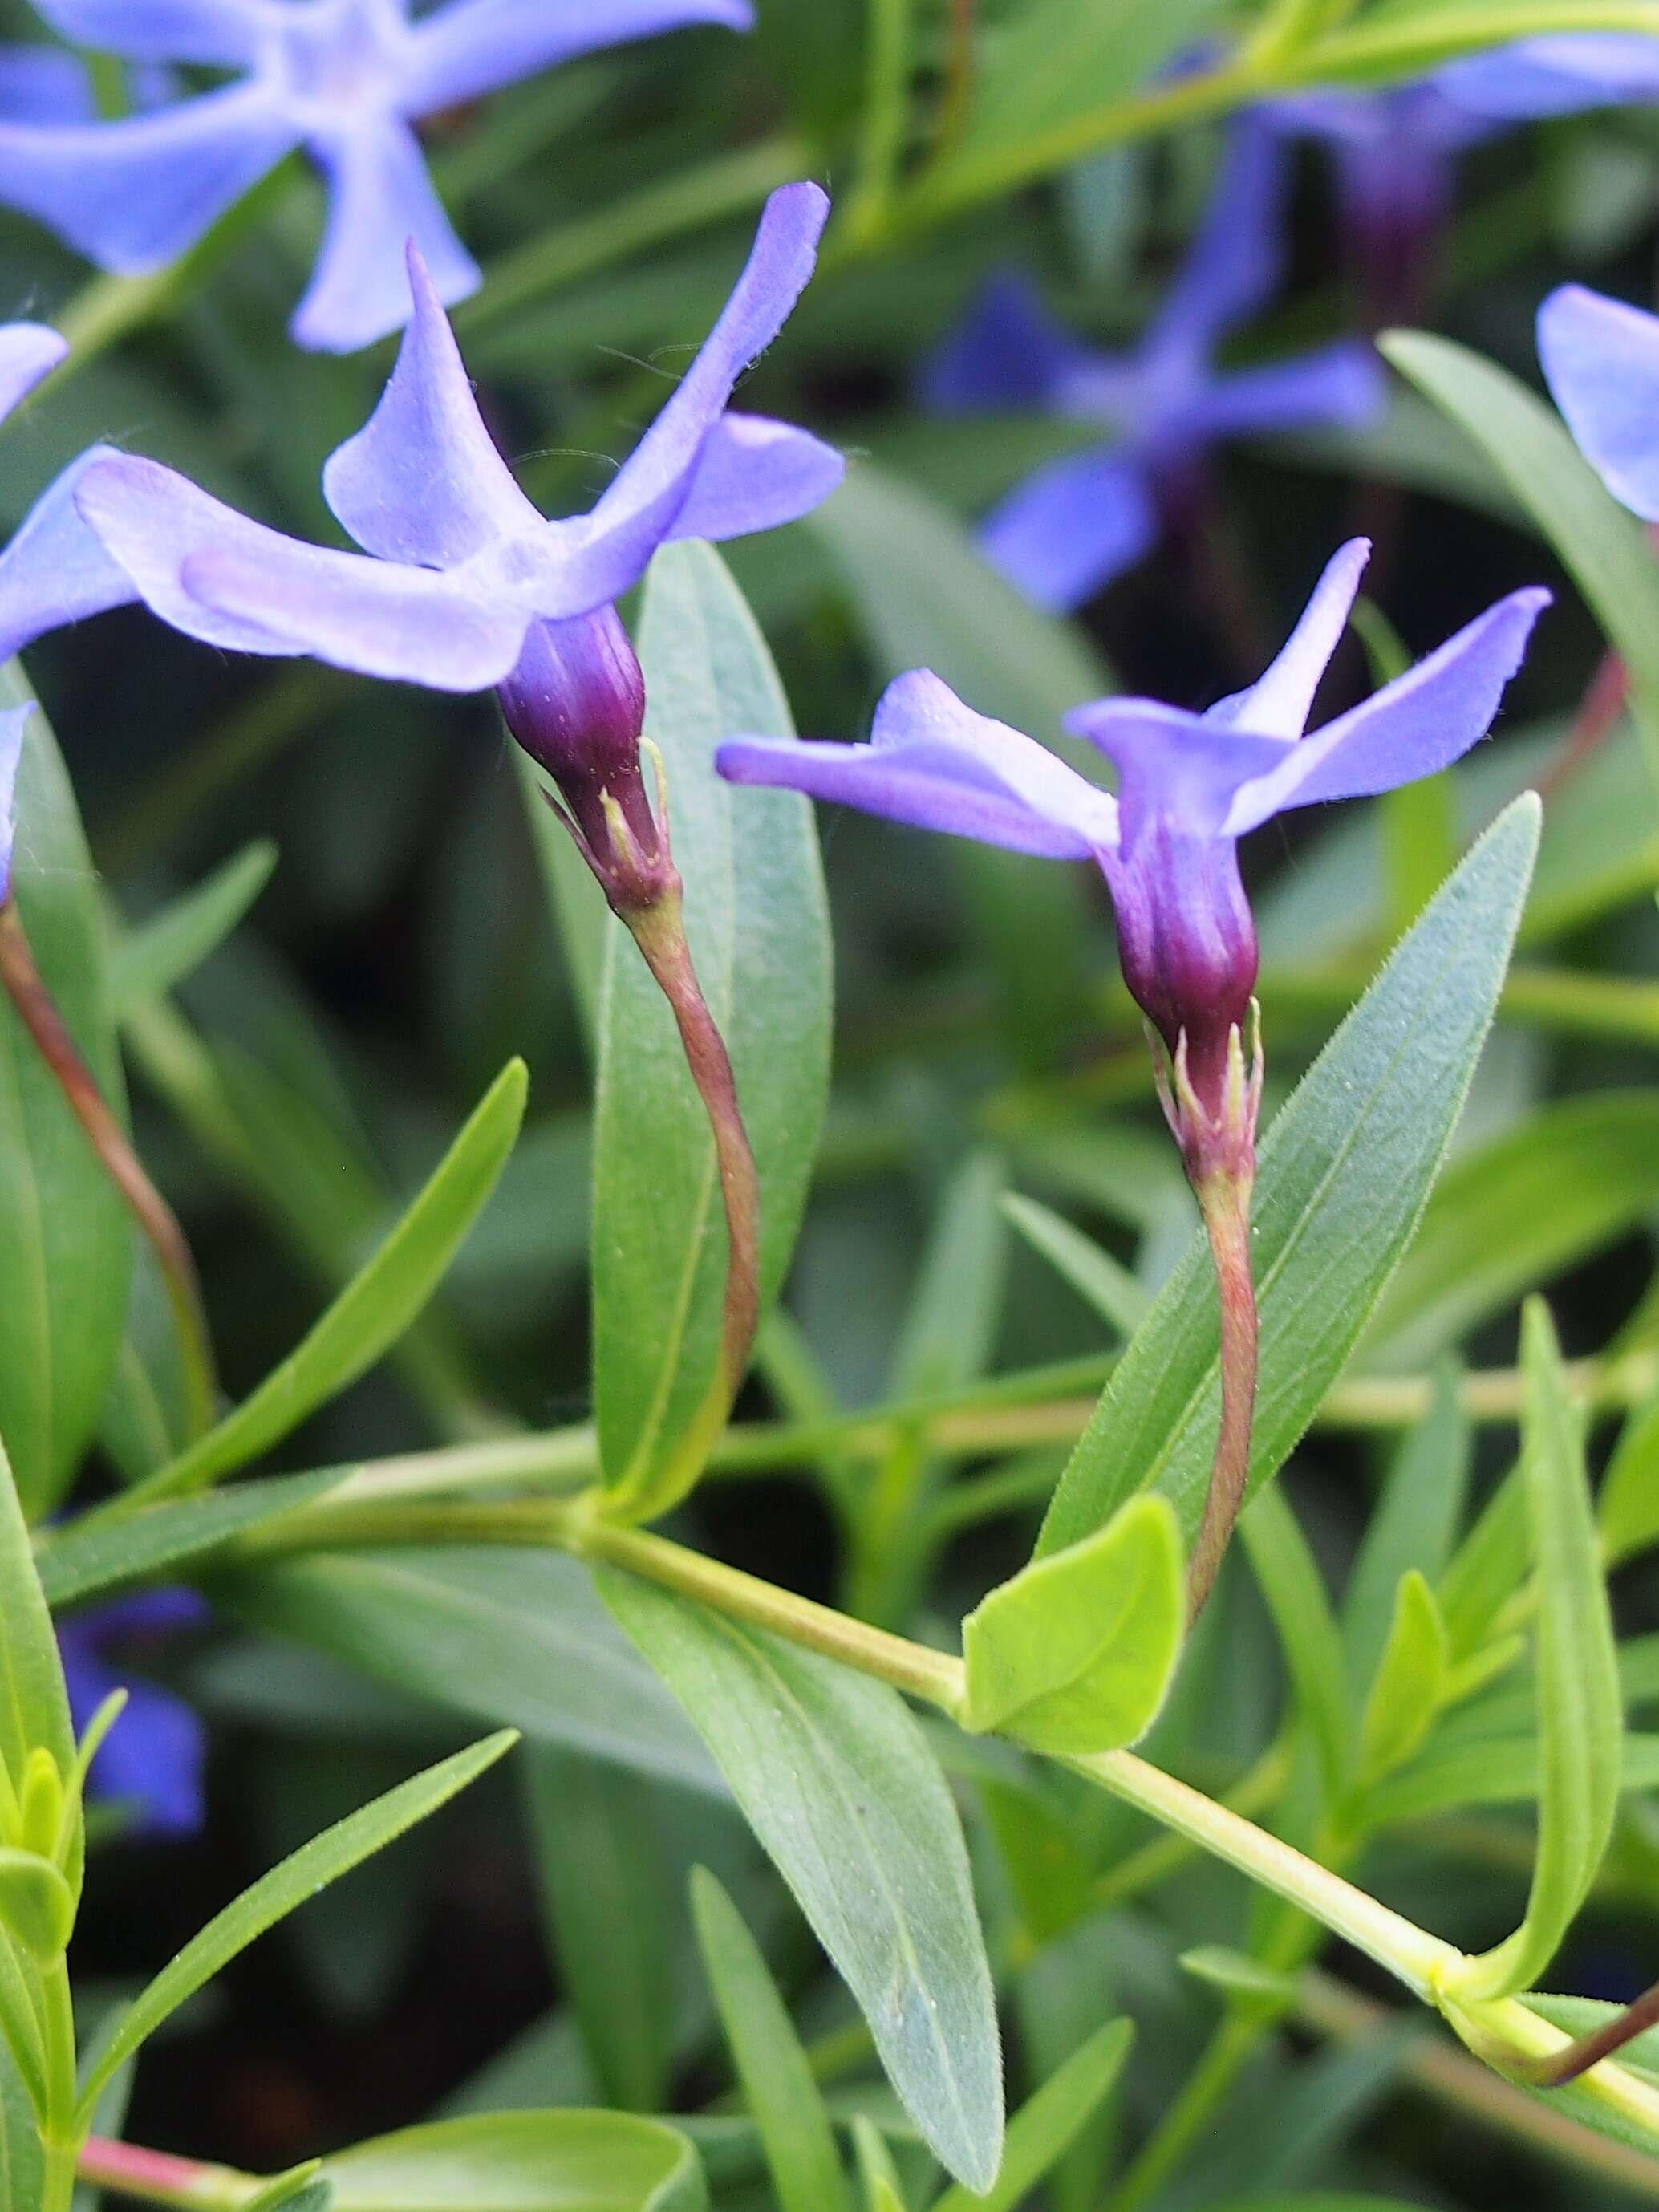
x: 54, y: 571
x: 1076, y: 523
x: 468, y: 588
x: 1562, y: 73
x: 1601, y: 360
x: 345, y: 79
x: 152, y: 1757
x: 1190, y: 786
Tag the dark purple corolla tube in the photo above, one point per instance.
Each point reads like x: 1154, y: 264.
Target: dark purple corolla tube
x: 1189, y: 786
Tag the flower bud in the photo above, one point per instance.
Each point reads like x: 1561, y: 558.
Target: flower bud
x: 1187, y: 944
x: 576, y: 703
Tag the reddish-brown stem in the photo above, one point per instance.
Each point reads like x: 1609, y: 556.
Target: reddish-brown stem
x: 1225, y: 1201
x: 39, y: 1013
x: 958, y: 83
x: 1562, y: 2067
x: 659, y: 932
x: 1598, y: 711
x: 151, y: 2174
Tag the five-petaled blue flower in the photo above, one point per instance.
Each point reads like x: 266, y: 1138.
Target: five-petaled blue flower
x: 1562, y: 73
x: 346, y: 79
x: 1190, y: 786
x: 1601, y: 362
x: 1078, y: 522
x: 54, y: 571
x: 151, y: 1761
x: 469, y: 587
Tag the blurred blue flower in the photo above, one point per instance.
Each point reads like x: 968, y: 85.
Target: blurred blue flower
x: 1561, y: 75
x: 1395, y: 154
x: 345, y: 79
x: 54, y: 571
x: 1601, y: 360
x: 1076, y: 523
x: 469, y: 588
x: 1190, y: 786
x: 152, y: 1757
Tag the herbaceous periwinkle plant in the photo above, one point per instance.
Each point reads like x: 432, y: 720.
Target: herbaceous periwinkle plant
x: 1265, y: 1655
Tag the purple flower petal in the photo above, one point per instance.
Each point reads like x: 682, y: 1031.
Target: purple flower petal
x: 1412, y: 727
x: 151, y: 521
x: 755, y: 474
x: 42, y: 84
x: 1235, y: 262
x: 934, y: 763
x: 374, y: 617
x: 224, y: 33
x: 1601, y: 362
x: 381, y: 196
x: 154, y: 1756
x: 588, y: 563
x: 11, y: 753
x: 55, y: 571
x: 1070, y: 528
x: 133, y: 194
x: 1173, y: 767
x: 1561, y: 75
x: 1278, y: 704
x: 28, y: 351
x: 1007, y: 352
x: 1342, y: 383
x: 422, y: 480
x: 475, y: 46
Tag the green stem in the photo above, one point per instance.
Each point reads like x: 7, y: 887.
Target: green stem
x: 885, y: 110
x: 60, y: 2139
x: 728, y: 186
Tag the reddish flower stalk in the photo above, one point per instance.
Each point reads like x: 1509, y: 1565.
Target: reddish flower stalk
x: 39, y: 1013
x: 153, y: 2175
x: 1217, y: 1137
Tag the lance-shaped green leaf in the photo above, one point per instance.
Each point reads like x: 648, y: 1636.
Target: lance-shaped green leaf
x: 837, y: 1781
x: 759, y: 925
x: 375, y: 1306
x: 1580, y: 1706
x: 65, y: 1235
x: 1345, y: 1171
x: 1076, y: 1653
x: 1414, y: 1526
x: 34, y: 1703
x: 36, y: 1904
x: 1101, y: 1281
x: 103, y: 1552
x: 1288, y: 1575
x: 1605, y: 548
x: 1045, y: 2126
x: 283, y: 1891
x: 1628, y: 1511
x: 148, y: 962
x: 558, y: 2161
x: 1410, y: 1682
x: 772, y: 2067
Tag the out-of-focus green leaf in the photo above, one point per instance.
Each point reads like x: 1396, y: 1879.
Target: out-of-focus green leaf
x: 1529, y: 1204
x: 1045, y: 2126
x: 837, y: 1781
x: 513, y: 1637
x: 1288, y: 1573
x: 604, y: 1886
x: 1410, y: 1681
x: 100, y: 1552
x: 1602, y: 545
x: 1414, y: 1526
x: 1506, y: 1771
x: 1580, y: 1705
x: 924, y: 598
x: 1345, y: 1172
x: 1487, y: 1568
x: 283, y: 1891
x: 148, y: 961
x: 1101, y: 1281
x: 772, y: 2067
x: 375, y: 1306
x: 1076, y: 1653
x: 1628, y: 1512
x: 65, y: 1237
x: 34, y: 1703
x: 523, y: 2162
x: 759, y: 932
